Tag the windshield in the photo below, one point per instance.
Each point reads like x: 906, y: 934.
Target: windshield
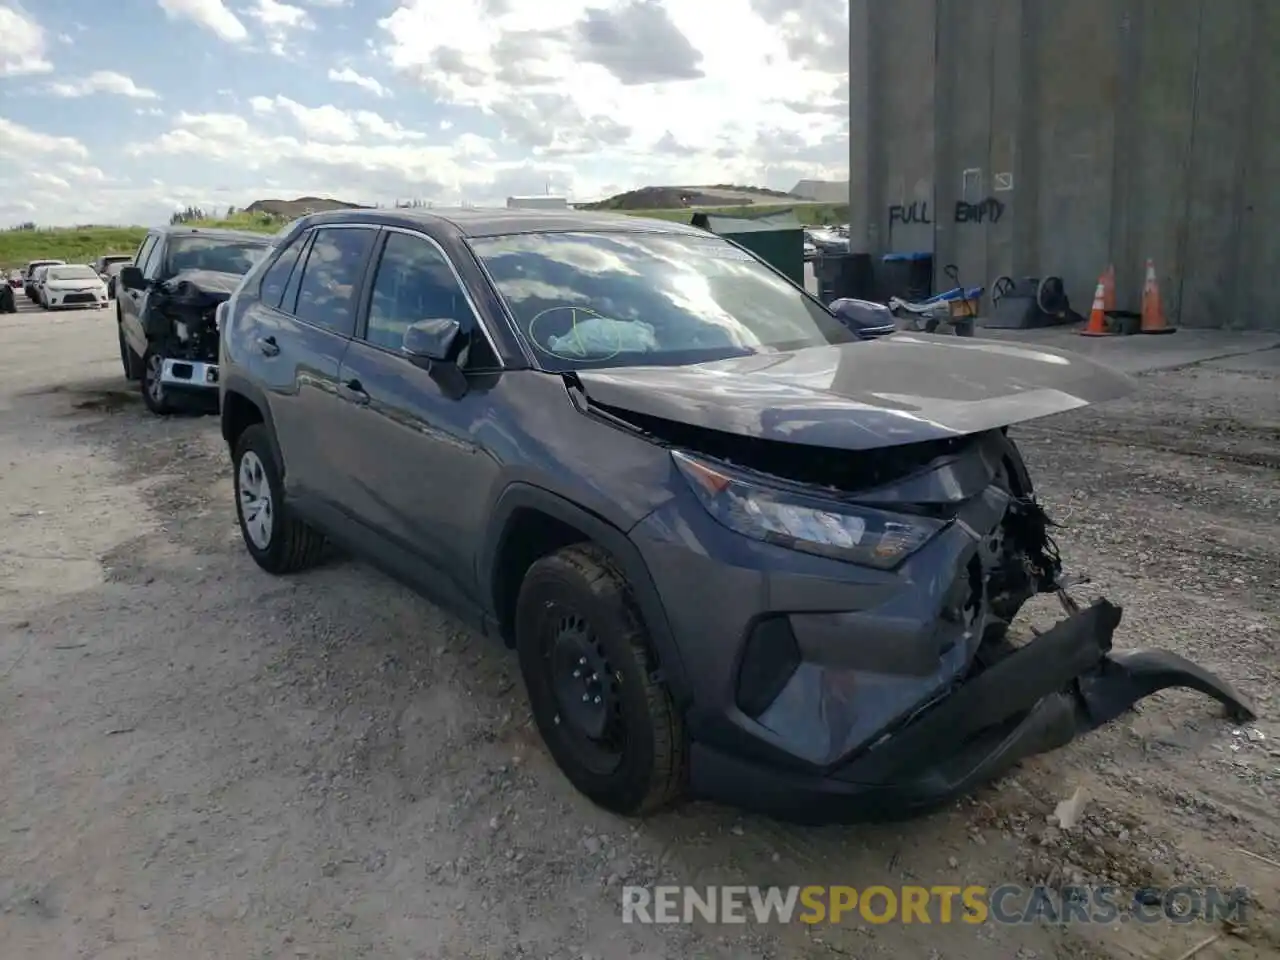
x: 115, y: 266
x: 71, y: 273
x: 631, y: 299
x: 218, y: 254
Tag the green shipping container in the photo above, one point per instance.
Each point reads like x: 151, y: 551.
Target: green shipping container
x: 776, y: 238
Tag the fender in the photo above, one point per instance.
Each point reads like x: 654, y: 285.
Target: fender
x: 237, y: 383
x: 519, y: 496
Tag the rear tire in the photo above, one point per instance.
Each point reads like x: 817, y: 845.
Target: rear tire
x: 608, y: 721
x: 278, y: 542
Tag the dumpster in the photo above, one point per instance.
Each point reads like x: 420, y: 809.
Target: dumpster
x: 908, y: 276
x: 777, y: 238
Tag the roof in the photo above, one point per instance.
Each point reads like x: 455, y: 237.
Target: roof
x: 181, y: 229
x: 490, y: 222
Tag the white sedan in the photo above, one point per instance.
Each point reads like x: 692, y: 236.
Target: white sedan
x: 72, y: 285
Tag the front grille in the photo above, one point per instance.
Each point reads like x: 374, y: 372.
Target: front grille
x: 79, y: 298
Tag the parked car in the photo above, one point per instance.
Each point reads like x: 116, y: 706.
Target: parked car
x: 165, y: 308
x: 8, y: 299
x: 72, y: 286
x: 826, y: 242
x: 741, y: 553
x: 15, y: 279
x: 29, y: 277
x: 37, y: 281
x: 112, y: 274
x: 101, y: 264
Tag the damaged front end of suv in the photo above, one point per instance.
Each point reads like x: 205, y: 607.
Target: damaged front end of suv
x: 182, y: 325
x: 845, y: 602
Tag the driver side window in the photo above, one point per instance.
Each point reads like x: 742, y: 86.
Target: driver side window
x: 414, y: 282
x: 150, y: 265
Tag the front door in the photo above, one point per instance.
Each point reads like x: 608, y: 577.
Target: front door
x: 132, y: 304
x: 423, y: 479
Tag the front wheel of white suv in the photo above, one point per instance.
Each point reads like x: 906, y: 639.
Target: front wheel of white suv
x: 278, y: 542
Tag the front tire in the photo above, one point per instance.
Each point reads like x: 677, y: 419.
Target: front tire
x: 278, y: 542
x: 154, y: 394
x: 608, y: 721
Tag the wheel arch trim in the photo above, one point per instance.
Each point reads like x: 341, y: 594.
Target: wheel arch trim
x: 522, y: 496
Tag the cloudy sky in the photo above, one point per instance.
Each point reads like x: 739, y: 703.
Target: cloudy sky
x: 123, y: 111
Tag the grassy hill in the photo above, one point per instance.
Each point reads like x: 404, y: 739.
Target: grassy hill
x: 82, y: 244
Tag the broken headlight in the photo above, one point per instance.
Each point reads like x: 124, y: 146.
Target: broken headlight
x: 843, y: 531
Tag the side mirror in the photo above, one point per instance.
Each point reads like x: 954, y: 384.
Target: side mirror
x: 131, y: 278
x: 429, y: 342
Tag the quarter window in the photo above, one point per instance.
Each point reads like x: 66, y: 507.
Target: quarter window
x: 414, y: 282
x: 331, y: 277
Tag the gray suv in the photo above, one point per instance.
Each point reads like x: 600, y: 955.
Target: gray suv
x: 741, y: 552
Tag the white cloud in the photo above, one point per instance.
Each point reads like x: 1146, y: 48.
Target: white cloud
x: 586, y: 97
x: 22, y: 43
x: 332, y: 124
x: 279, y: 21
x: 26, y: 147
x: 347, y: 75
x: 213, y: 15
x: 103, y: 81
x: 733, y: 83
x: 49, y: 179
x: 78, y: 171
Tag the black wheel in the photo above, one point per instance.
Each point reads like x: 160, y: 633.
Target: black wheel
x: 278, y: 542
x: 609, y: 723
x: 129, y: 360
x: 1001, y: 289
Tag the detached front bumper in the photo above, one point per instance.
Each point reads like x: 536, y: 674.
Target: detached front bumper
x: 189, y: 375
x: 1064, y: 683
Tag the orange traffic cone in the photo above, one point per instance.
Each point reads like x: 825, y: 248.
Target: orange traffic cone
x: 1153, y: 320
x: 1097, y: 325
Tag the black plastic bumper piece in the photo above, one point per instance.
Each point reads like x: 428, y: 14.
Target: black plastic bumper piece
x: 1064, y: 683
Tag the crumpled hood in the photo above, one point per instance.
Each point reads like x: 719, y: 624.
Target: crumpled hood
x: 201, y: 288
x: 905, y: 388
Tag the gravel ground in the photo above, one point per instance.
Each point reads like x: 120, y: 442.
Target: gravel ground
x: 201, y: 761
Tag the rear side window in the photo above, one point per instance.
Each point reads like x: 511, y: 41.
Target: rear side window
x: 331, y: 277
x: 276, y: 279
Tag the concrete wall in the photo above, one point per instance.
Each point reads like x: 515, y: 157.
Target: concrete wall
x: 1033, y: 137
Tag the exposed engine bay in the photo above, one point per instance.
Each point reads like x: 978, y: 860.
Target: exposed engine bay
x: 182, y: 325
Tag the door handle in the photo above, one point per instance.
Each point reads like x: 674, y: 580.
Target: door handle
x: 355, y: 391
x: 268, y: 346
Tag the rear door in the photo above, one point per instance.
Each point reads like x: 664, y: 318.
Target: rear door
x: 295, y: 333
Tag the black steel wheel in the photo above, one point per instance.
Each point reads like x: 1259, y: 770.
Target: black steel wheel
x: 608, y: 721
